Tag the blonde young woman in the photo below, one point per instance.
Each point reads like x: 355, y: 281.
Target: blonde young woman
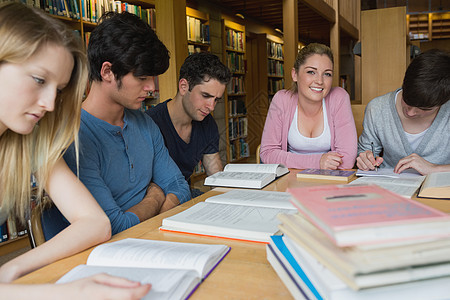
x: 42, y: 76
x: 311, y: 125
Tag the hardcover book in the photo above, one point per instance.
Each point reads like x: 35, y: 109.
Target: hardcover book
x: 334, y: 175
x: 354, y: 215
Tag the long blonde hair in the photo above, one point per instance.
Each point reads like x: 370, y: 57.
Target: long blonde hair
x: 305, y: 53
x: 23, y: 31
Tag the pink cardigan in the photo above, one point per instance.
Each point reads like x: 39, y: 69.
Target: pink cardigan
x: 281, y: 112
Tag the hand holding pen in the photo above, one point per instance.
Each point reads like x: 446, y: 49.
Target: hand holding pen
x: 368, y: 160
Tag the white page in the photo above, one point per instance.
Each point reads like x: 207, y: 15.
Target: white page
x: 157, y: 254
x: 260, y: 168
x: 277, y: 169
x: 438, y: 179
x: 388, y: 172
x: 234, y: 221
x: 245, y: 176
x: 402, y: 186
x: 254, y: 198
x: 166, y: 283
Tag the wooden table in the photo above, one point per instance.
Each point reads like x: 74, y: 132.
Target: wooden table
x: 243, y: 274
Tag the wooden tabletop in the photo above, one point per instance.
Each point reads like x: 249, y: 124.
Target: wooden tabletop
x: 243, y: 274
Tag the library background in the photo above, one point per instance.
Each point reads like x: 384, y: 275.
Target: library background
x: 372, y: 40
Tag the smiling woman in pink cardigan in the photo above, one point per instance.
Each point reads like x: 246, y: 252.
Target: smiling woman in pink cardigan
x: 311, y: 125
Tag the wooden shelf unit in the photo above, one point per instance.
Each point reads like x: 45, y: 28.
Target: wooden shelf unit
x: 428, y: 26
x: 197, y: 31
x: 235, y: 94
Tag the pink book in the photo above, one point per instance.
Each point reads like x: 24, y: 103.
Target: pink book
x: 356, y: 215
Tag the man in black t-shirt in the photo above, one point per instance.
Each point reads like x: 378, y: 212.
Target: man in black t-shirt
x: 190, y: 132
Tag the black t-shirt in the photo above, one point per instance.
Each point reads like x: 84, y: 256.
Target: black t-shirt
x: 204, y: 139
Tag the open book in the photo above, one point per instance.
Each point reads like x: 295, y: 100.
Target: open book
x: 254, y: 176
x: 238, y: 214
x: 406, y: 187
x: 436, y: 185
x: 173, y: 269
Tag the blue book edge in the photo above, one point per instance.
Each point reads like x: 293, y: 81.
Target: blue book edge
x: 279, y: 243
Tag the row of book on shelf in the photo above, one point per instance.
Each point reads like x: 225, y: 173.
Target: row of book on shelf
x: 234, y: 40
x: 274, y: 85
x: 236, y: 107
x: 197, y: 31
x: 11, y: 230
x: 235, y: 62
x: 92, y: 10
x: 237, y: 128
x: 239, y: 149
x: 275, y: 68
x: 236, y: 85
x: 274, y: 50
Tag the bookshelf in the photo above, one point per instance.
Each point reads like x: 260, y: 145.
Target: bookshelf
x: 197, y: 25
x: 233, y: 35
x: 428, y: 26
x: 275, y: 67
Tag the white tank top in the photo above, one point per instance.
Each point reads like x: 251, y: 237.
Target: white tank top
x: 297, y: 143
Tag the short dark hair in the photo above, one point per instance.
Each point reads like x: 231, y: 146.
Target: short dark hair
x: 203, y: 66
x: 427, y: 80
x: 129, y: 44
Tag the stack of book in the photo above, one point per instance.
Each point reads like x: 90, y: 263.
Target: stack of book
x: 361, y: 242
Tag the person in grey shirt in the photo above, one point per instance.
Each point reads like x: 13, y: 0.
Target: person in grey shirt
x: 410, y: 127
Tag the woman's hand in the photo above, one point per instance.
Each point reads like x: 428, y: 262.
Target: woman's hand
x: 330, y: 160
x: 103, y: 286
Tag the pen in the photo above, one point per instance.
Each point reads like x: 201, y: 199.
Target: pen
x: 373, y: 152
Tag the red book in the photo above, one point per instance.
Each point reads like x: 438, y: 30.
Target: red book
x: 357, y: 215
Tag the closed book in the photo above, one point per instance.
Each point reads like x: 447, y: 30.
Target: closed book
x: 174, y: 269
x: 254, y: 176
x: 363, y: 267
x: 333, y: 175
x: 326, y: 285
x: 356, y: 215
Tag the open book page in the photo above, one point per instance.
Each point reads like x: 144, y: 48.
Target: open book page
x: 254, y: 198
x: 240, y: 179
x: 158, y: 254
x: 406, y: 187
x: 166, y: 283
x: 388, y: 172
x: 277, y: 169
x: 441, y: 179
x: 232, y: 221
